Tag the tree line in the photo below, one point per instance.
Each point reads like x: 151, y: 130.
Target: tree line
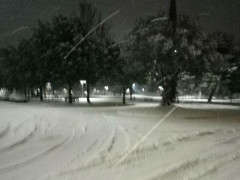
x: 160, y: 50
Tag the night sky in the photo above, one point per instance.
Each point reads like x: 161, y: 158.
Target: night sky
x: 16, y: 16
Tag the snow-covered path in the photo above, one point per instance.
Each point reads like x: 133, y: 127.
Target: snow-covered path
x: 56, y: 141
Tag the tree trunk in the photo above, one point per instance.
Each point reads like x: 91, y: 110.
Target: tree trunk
x: 212, y: 93
x: 70, y: 93
x: 88, y: 92
x: 53, y: 93
x: 231, y: 94
x: 166, y: 96
x: 25, y: 92
x: 32, y: 92
x: 28, y: 94
x: 124, y: 95
x: 44, y: 92
x: 131, y: 92
x: 41, y: 93
x: 169, y: 91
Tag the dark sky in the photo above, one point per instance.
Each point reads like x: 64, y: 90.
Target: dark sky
x: 17, y: 15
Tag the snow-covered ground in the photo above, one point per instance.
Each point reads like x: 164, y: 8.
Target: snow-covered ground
x: 143, y: 141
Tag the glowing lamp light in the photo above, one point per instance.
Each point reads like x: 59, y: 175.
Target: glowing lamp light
x: 82, y: 82
x: 48, y: 86
x: 160, y: 88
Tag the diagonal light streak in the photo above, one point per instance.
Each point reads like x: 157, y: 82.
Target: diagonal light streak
x: 90, y: 32
x: 145, y: 136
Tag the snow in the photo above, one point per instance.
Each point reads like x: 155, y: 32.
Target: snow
x: 58, y: 141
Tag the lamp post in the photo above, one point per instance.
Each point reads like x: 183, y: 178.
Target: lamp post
x: 106, y: 88
x: 82, y: 82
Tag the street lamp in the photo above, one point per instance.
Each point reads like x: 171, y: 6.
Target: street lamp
x: 82, y: 82
x: 106, y: 88
x: 160, y: 88
x: 48, y: 86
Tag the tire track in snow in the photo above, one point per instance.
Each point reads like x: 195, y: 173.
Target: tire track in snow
x: 16, y: 130
x: 19, y: 142
x: 189, y: 165
x: 5, y: 131
x: 19, y: 126
x: 90, y: 155
x: 108, y: 146
x: 145, y: 136
x: 208, y: 169
x: 176, y: 140
x: 105, y: 155
x: 84, y: 129
x: 232, y: 140
x: 35, y: 158
x: 179, y: 167
x: 192, y: 167
x: 76, y: 158
x: 100, y: 156
x: 185, y: 165
x: 161, y: 143
x: 127, y: 137
x: 135, y: 156
x: 99, y: 151
x: 28, y: 119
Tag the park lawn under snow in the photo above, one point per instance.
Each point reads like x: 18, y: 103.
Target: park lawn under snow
x: 59, y: 141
